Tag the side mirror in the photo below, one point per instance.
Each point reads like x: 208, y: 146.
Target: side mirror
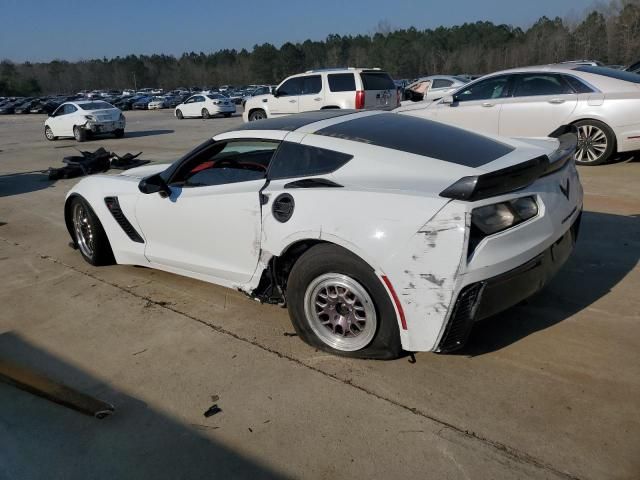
x: 154, y: 184
x: 274, y: 92
x: 448, y: 99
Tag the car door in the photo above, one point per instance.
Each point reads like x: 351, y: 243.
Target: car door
x: 311, y: 94
x: 188, y: 106
x: 285, y: 101
x: 476, y: 106
x: 539, y: 103
x: 56, y: 121
x: 69, y: 119
x: 209, y: 226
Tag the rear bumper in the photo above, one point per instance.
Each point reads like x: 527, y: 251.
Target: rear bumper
x: 488, y: 297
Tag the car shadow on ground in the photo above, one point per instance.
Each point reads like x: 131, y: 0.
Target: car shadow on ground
x: 147, y: 133
x: 42, y: 439
x: 608, y: 248
x: 25, y: 182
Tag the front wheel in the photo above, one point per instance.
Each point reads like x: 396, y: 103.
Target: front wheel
x: 596, y: 142
x: 119, y: 133
x: 179, y: 115
x: 257, y: 115
x: 80, y: 134
x: 88, y: 234
x: 205, y: 113
x: 338, y: 304
x: 48, y: 134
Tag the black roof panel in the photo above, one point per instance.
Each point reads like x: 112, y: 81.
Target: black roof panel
x: 421, y: 137
x: 293, y: 122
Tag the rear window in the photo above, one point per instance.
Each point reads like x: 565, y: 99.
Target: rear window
x: 296, y: 160
x: 578, y: 85
x: 611, y: 73
x: 342, y: 82
x: 421, y: 137
x: 95, y: 106
x: 377, y: 81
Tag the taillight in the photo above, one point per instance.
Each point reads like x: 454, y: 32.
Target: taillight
x: 359, y: 99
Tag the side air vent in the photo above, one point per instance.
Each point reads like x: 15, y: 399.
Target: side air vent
x: 462, y: 318
x: 282, y: 207
x: 114, y: 207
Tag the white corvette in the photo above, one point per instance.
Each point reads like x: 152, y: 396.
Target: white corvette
x: 381, y: 232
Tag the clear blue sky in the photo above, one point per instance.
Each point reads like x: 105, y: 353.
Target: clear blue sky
x: 41, y: 30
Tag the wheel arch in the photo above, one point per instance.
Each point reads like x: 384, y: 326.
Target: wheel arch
x: 251, y: 110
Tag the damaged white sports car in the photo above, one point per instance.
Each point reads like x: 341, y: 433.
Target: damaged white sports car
x: 381, y: 232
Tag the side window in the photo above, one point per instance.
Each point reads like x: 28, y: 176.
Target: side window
x: 226, y: 162
x: 199, y: 99
x: 190, y: 100
x: 441, y: 83
x: 59, y: 111
x: 540, y: 84
x: 311, y: 85
x: 69, y: 109
x: 377, y: 81
x: 296, y: 160
x: 577, y: 85
x: 291, y: 87
x: 342, y: 82
x: 490, y: 88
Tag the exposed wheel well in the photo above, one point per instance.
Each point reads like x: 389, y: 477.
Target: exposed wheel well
x: 272, y: 287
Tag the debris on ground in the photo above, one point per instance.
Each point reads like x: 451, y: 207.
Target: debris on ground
x: 290, y: 334
x: 94, y: 162
x: 212, y: 410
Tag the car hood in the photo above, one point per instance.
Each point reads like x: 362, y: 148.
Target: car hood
x: 145, y: 171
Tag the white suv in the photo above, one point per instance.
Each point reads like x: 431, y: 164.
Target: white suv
x: 348, y: 88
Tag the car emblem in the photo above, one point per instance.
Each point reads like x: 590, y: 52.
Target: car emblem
x: 565, y: 190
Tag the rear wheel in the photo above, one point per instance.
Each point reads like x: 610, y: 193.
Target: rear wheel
x: 596, y: 142
x: 338, y: 304
x: 88, y: 234
x: 48, y: 134
x: 257, y: 115
x: 205, y: 113
x: 119, y: 133
x: 79, y: 133
x: 179, y: 115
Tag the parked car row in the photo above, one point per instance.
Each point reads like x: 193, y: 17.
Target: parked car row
x: 26, y: 105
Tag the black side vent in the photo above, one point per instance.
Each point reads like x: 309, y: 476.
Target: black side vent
x: 114, y: 207
x: 461, y: 319
x: 282, y: 207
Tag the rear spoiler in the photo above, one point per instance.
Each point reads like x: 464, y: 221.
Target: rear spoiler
x: 515, y: 177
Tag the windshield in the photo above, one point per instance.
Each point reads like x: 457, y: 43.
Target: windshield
x: 95, y: 106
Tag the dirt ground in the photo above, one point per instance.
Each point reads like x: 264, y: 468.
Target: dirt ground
x: 549, y: 389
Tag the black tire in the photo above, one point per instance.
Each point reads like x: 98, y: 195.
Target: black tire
x: 205, y: 113
x: 327, y: 258
x: 119, y: 133
x: 80, y: 134
x: 227, y: 115
x: 48, y: 134
x: 179, y: 114
x: 582, y: 152
x: 101, y: 252
x: 257, y: 114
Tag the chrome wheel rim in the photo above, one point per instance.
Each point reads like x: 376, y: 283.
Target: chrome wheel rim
x: 48, y: 133
x: 340, y: 312
x: 205, y: 113
x: 84, y: 231
x: 592, y: 144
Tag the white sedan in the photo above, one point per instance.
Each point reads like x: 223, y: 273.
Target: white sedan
x: 603, y: 103
x: 376, y: 242
x: 205, y: 105
x: 81, y: 119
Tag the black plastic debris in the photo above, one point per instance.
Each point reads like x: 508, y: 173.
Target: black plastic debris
x: 99, y: 161
x: 290, y: 334
x: 213, y: 409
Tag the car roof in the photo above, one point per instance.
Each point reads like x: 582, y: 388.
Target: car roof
x: 404, y: 133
